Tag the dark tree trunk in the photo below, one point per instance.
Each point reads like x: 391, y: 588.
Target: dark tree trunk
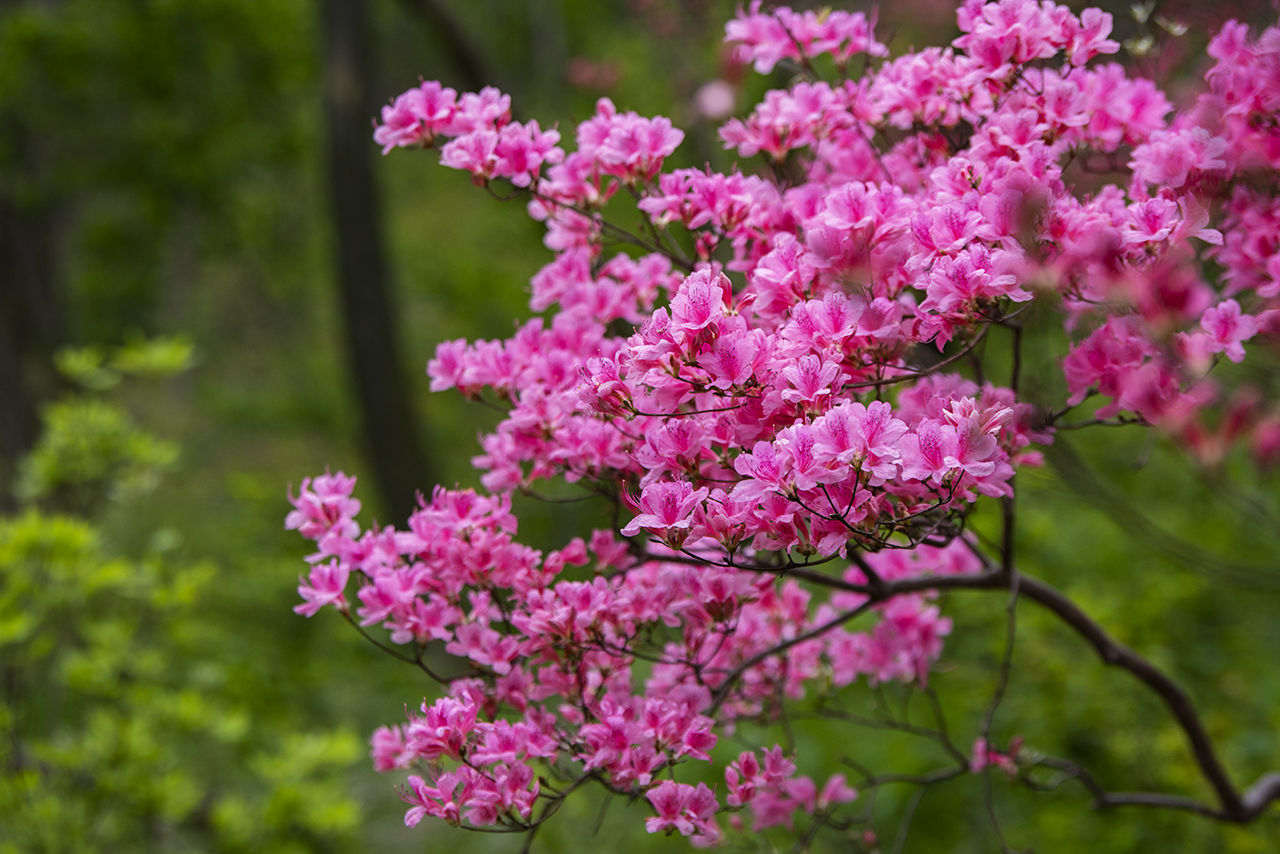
x: 473, y: 70
x: 390, y: 427
x: 31, y: 328
x: 31, y: 305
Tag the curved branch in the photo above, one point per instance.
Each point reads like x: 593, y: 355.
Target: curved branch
x: 1102, y: 799
x: 1233, y: 806
x: 396, y: 654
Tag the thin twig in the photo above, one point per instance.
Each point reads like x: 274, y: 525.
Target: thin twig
x: 1006, y: 661
x: 904, y: 826
x: 397, y: 654
x: 726, y: 688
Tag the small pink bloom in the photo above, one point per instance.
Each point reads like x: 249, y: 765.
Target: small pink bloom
x: 324, y: 586
x: 667, y: 508
x: 1228, y: 327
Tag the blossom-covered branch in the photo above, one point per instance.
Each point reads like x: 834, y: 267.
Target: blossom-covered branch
x: 793, y: 420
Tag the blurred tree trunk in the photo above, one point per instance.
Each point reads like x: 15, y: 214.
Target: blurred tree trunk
x: 549, y: 49
x: 474, y: 71
x: 391, y: 436
x: 31, y: 305
x: 31, y: 326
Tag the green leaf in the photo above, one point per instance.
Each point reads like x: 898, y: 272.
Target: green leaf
x: 85, y: 365
x: 155, y: 357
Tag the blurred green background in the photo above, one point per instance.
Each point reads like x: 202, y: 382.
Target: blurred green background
x: 213, y: 287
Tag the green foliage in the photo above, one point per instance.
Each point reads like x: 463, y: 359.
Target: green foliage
x: 98, y: 370
x: 124, y: 726
x: 156, y: 130
x: 91, y: 452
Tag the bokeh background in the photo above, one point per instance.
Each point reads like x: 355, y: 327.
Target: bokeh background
x: 212, y: 286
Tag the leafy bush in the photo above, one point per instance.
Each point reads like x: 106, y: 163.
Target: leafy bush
x: 124, y: 724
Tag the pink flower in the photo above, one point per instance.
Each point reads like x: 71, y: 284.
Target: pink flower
x: 1228, y: 327
x: 324, y: 505
x: 812, y: 381
x: 1011, y: 31
x: 836, y: 791
x: 627, y: 145
x: 324, y: 586
x: 487, y: 109
x: 1169, y: 158
x: 699, y: 303
x: 985, y: 756
x: 389, y: 749
x: 667, y: 508
x: 765, y: 38
x: 926, y: 452
x: 474, y: 152
x: 444, y: 729
x: 688, y: 810
x: 417, y: 117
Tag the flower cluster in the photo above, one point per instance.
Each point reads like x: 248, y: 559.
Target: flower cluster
x: 775, y: 382
x: 552, y: 660
x: 766, y: 38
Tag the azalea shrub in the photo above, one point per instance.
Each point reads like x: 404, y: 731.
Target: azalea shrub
x: 797, y: 383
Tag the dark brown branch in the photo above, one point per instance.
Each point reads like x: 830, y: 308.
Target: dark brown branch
x: 1103, y: 799
x: 942, y: 775
x: 1234, y: 806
